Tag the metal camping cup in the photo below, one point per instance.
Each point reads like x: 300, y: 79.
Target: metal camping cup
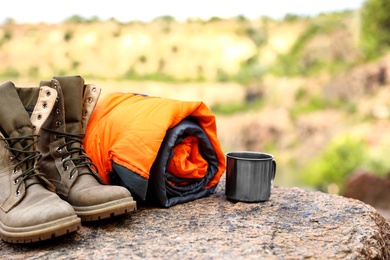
x: 249, y: 176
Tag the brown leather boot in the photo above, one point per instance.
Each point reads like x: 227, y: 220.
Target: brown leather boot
x: 64, y: 160
x: 29, y: 209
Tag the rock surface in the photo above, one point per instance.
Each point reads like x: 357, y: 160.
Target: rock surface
x: 293, y: 224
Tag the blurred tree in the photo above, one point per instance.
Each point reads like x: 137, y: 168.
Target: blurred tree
x: 75, y: 19
x: 164, y: 18
x: 7, y: 36
x: 241, y: 18
x: 214, y: 19
x: 341, y: 158
x: 375, y: 27
x: 291, y: 17
x: 9, y: 20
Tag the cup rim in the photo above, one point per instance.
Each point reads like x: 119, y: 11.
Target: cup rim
x: 236, y: 155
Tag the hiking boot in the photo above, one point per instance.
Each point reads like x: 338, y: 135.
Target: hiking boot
x: 64, y: 160
x: 29, y: 209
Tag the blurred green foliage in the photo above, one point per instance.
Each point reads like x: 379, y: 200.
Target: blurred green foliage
x: 6, y: 37
x: 250, y: 71
x: 10, y: 73
x: 377, y: 161
x: 313, y: 103
x: 300, y: 60
x: 68, y: 35
x: 291, y: 64
x: 80, y: 19
x: 375, y: 28
x: 232, y: 108
x: 342, y: 157
x: 131, y: 74
x: 307, y: 102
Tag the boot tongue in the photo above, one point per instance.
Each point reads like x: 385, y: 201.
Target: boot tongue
x: 72, y: 89
x: 14, y: 119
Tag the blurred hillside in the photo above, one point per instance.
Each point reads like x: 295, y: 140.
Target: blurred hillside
x: 297, y: 88
x: 161, y: 50
x: 216, y: 50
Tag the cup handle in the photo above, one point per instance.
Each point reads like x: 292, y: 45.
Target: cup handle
x: 274, y: 168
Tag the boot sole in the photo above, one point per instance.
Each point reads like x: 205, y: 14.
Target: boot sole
x: 40, y: 232
x: 106, y: 210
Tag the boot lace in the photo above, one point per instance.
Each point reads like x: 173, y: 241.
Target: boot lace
x: 26, y: 156
x: 75, y: 153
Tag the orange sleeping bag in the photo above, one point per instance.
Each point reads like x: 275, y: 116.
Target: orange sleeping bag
x: 160, y: 149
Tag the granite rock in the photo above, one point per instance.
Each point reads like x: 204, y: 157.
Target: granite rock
x: 293, y: 224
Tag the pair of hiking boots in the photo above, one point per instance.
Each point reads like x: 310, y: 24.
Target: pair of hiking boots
x: 48, y: 185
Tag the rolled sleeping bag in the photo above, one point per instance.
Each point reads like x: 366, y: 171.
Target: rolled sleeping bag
x: 134, y: 142
x: 185, y: 165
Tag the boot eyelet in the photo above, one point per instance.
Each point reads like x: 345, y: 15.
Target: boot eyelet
x: 15, y: 171
x: 34, y: 127
x: 58, y: 123
x: 57, y: 99
x: 85, y: 113
x: 89, y: 100
x: 17, y: 193
x: 58, y: 111
x: 66, y: 167
x: 93, y: 89
x: 39, y: 117
x: 44, y: 105
x: 48, y: 93
x: 58, y: 150
x: 71, y: 176
x: 11, y: 158
x: 16, y: 181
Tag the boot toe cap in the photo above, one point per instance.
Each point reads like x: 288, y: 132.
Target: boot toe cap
x: 96, y: 195
x: 40, y: 212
